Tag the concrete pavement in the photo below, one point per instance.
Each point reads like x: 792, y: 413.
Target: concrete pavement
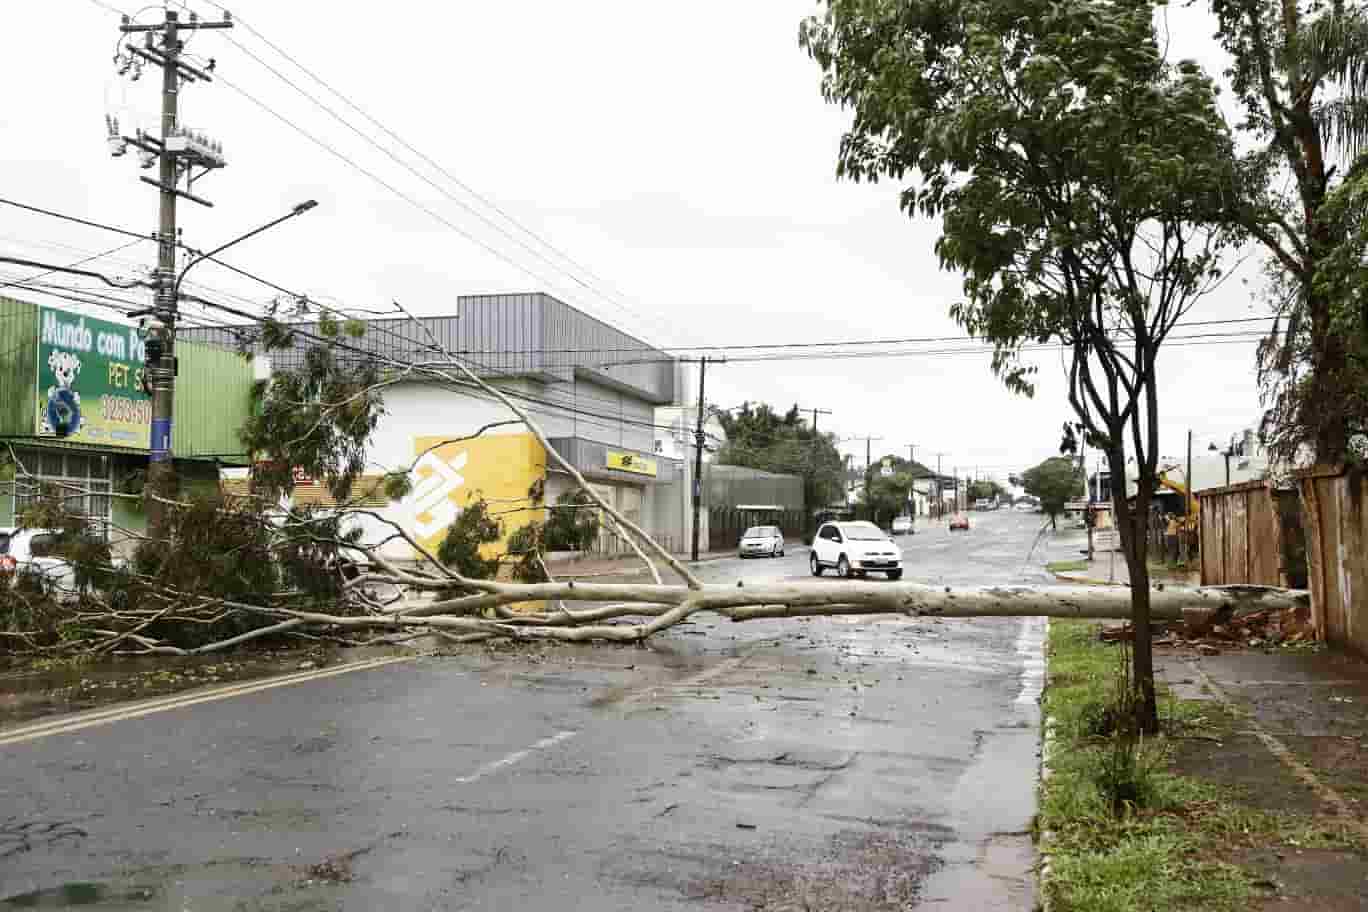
x: 806, y: 764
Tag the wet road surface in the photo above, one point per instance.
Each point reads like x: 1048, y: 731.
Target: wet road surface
x: 823, y: 764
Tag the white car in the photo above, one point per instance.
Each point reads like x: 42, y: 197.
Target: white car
x: 902, y: 525
x: 762, y: 541
x: 854, y: 549
x: 35, y: 551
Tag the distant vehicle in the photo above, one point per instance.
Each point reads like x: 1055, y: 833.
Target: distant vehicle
x: 959, y: 523
x: 902, y: 525
x: 854, y: 549
x: 1026, y: 507
x: 983, y: 503
x: 762, y: 541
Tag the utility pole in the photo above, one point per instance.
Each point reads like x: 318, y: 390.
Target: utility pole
x: 912, y: 469
x: 815, y: 413
x: 177, y: 153
x: 940, y: 498
x: 698, y: 456
x: 1187, y: 500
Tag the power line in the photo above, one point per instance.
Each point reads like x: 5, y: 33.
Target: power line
x: 438, y: 167
x: 387, y: 185
x: 431, y: 183
x: 141, y: 235
x: 71, y: 267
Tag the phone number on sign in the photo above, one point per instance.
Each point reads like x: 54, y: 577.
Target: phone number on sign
x: 121, y: 408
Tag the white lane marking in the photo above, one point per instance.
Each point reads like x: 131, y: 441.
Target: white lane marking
x: 495, y: 765
x: 66, y: 725
x: 1030, y: 645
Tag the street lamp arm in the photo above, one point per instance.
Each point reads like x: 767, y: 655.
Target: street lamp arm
x: 201, y: 257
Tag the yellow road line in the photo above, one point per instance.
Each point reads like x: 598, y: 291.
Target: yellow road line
x: 78, y: 722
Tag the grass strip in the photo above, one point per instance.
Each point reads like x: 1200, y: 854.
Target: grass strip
x: 1123, y: 831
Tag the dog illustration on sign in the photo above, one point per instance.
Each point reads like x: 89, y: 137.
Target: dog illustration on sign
x: 62, y: 416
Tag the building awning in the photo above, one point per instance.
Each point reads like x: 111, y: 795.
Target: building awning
x: 606, y: 462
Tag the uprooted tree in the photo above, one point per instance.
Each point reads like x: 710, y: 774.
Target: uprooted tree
x: 1078, y: 176
x: 238, y: 568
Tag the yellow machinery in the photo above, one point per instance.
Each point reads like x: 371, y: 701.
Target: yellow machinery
x: 1188, y: 523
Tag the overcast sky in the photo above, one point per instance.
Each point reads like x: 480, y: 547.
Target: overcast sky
x: 681, y: 155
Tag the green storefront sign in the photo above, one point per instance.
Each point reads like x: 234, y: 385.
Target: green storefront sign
x: 89, y: 382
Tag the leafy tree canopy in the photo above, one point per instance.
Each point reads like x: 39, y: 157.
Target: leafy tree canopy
x: 758, y: 437
x: 1056, y: 481
x: 1299, y: 68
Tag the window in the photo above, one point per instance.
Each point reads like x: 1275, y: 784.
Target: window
x: 830, y: 533
x: 82, y: 480
x: 4, y: 542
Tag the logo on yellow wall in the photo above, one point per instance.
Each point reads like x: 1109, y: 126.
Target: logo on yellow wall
x: 448, y: 476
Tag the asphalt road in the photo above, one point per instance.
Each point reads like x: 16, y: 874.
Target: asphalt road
x: 825, y: 764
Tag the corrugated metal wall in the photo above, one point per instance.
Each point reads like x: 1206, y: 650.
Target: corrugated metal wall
x: 213, y: 401
x: 575, y: 339
x: 18, y: 366
x: 505, y: 335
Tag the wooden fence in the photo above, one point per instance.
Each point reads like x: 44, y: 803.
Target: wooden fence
x: 1241, y: 535
x: 1337, y: 553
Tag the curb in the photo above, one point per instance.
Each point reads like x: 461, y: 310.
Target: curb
x: 1044, y: 869
x: 1066, y: 577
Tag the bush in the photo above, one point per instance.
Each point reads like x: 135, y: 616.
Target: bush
x: 460, y: 550
x: 573, y: 524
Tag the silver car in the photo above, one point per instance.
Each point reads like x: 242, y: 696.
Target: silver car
x: 762, y: 541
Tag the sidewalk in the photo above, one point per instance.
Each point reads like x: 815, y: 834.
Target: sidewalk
x: 1290, y: 735
x: 1110, y: 569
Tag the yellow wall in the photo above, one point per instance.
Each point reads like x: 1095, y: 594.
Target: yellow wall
x: 447, y: 478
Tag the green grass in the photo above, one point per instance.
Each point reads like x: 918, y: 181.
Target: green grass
x: 1066, y: 566
x: 1165, y: 850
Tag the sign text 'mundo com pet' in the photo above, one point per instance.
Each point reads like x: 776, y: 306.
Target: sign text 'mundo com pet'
x: 88, y: 383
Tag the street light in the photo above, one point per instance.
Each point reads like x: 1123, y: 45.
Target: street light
x: 297, y: 210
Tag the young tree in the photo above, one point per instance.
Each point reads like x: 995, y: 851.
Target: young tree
x: 984, y: 490
x: 1055, y: 481
x: 1074, y: 171
x: 1300, y: 70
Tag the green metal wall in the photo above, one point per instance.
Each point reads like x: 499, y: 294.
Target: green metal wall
x: 213, y: 402
x: 18, y: 366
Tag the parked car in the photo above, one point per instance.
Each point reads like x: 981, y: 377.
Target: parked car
x: 902, y: 525
x: 983, y: 503
x: 34, y: 551
x: 959, y: 523
x: 854, y: 549
x: 762, y: 541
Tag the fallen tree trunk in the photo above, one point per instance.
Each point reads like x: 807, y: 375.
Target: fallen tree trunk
x: 658, y: 608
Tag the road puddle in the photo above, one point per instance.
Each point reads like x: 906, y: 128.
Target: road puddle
x: 81, y: 894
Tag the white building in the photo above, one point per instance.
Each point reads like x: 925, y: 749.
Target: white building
x: 592, y: 389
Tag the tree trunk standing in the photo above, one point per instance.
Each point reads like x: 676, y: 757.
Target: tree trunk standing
x: 1134, y: 544
x: 1306, y: 152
